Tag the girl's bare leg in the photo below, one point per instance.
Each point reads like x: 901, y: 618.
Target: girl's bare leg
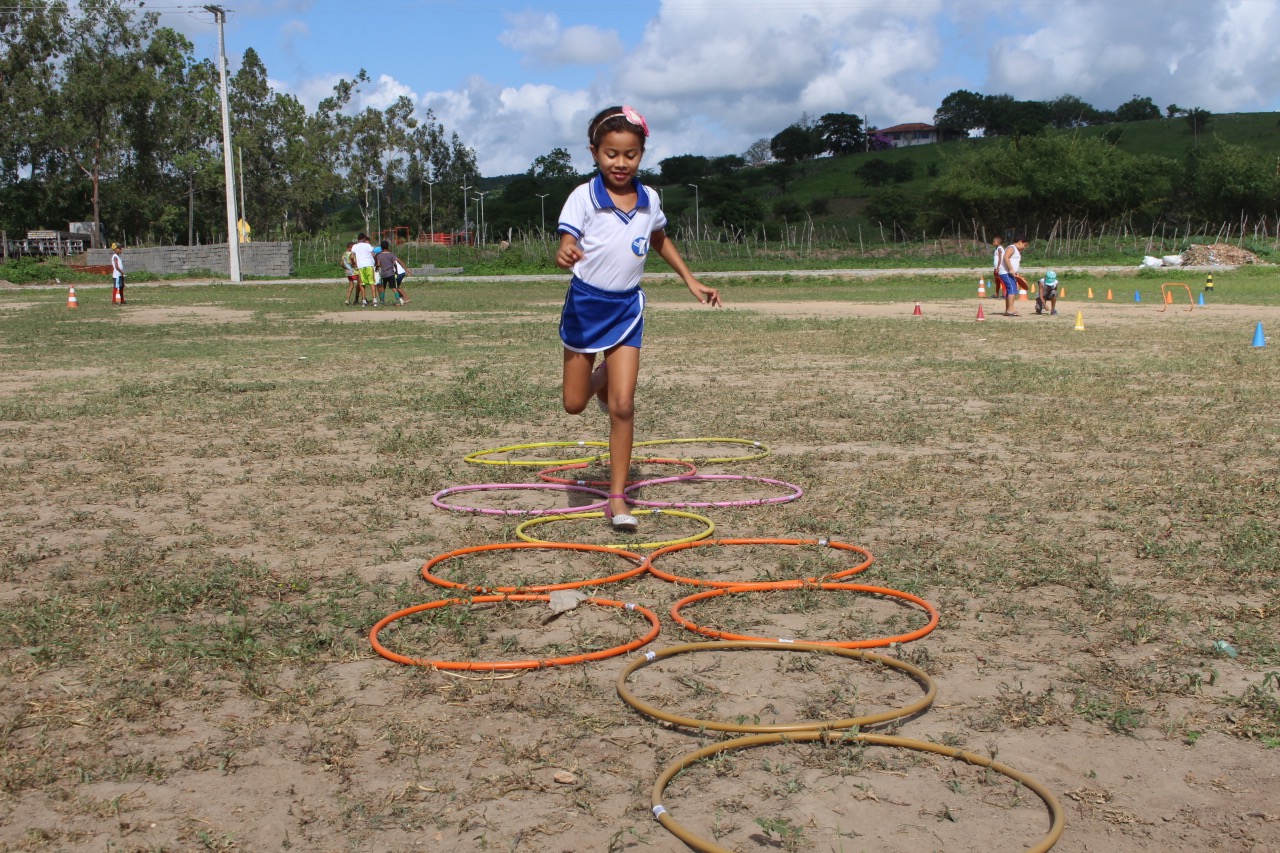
x: 623, y: 368
x: 580, y: 383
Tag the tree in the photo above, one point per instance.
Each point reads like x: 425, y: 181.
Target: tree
x: 961, y: 112
x: 1198, y: 120
x: 99, y: 79
x: 796, y: 143
x: 1048, y: 177
x: 1137, y: 108
x: 32, y: 36
x: 1173, y: 111
x: 725, y: 165
x: 557, y: 164
x: 841, y: 133
x: 1067, y: 111
x: 758, y: 153
x: 684, y: 169
x: 1226, y: 181
x: 739, y: 213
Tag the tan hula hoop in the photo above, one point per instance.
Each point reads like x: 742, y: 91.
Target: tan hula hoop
x: 920, y: 676
x: 1050, y: 838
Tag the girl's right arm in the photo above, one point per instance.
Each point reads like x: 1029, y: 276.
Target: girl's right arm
x: 569, y: 252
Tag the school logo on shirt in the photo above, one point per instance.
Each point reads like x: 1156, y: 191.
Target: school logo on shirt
x: 640, y: 246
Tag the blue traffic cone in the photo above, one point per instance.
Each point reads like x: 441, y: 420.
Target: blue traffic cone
x: 1201, y: 301
x: 1259, y: 339
x: 1137, y: 297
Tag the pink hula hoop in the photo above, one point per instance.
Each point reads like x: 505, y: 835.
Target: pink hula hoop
x: 796, y: 492
x: 437, y: 499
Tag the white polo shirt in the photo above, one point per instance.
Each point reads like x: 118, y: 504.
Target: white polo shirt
x: 614, y: 242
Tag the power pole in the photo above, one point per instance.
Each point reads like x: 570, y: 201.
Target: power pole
x: 233, y: 231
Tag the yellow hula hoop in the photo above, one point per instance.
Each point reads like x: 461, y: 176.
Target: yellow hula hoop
x: 762, y: 450
x: 477, y: 458
x: 523, y: 527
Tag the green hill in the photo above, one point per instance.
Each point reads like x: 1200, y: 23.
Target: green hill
x: 830, y: 192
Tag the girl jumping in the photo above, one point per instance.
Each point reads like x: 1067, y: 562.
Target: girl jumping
x: 607, y: 228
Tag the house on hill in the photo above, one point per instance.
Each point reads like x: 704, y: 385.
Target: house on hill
x: 916, y: 133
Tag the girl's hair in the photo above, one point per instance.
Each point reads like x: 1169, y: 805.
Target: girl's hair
x: 614, y: 118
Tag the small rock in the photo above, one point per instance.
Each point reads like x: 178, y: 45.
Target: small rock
x: 564, y: 777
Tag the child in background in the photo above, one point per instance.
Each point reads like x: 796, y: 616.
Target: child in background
x: 1048, y: 294
x: 363, y: 254
x: 401, y: 272
x: 348, y: 261
x: 1011, y: 261
x: 117, y: 275
x: 997, y: 259
x: 387, y: 263
x: 607, y: 228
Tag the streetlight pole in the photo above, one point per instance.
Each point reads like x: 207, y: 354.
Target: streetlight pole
x: 233, y: 243
x: 480, y: 198
x: 464, y: 214
x: 431, y: 207
x: 697, y: 213
x: 542, y: 200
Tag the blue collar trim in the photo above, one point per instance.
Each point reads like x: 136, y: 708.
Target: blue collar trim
x: 600, y: 194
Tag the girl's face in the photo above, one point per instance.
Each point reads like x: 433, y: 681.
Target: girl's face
x: 618, y: 154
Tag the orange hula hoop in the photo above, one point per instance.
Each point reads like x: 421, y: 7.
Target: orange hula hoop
x: 508, y: 666
x: 875, y: 642
x: 637, y: 569
x: 759, y: 585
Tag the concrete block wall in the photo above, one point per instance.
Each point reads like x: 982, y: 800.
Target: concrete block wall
x: 259, y: 259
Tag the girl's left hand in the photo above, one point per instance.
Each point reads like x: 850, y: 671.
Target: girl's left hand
x: 705, y: 295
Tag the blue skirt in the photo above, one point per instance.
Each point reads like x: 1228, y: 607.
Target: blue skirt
x: 595, y: 320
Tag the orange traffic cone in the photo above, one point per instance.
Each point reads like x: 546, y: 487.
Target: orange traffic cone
x: 71, y: 299
x: 1168, y: 297
x: 1108, y: 294
x: 981, y: 315
x: 117, y: 298
x: 982, y: 287
x: 1091, y: 293
x: 917, y: 312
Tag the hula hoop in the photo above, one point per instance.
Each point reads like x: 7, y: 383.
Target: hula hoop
x: 758, y: 585
x: 1050, y: 838
x: 477, y: 458
x: 535, y: 588
x: 507, y: 666
x: 919, y: 675
x: 523, y: 527
x: 545, y: 475
x: 762, y: 448
x: 796, y: 492
x: 873, y: 643
x: 437, y: 499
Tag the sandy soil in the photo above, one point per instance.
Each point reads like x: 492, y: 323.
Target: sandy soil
x: 364, y: 755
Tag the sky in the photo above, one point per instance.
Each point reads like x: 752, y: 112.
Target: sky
x: 515, y: 80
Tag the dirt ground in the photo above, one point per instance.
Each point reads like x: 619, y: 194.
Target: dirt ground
x: 362, y: 754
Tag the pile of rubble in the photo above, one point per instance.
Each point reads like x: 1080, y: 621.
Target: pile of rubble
x: 1219, y: 253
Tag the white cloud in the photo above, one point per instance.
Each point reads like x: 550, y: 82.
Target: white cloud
x: 386, y: 90
x: 508, y: 126
x: 1217, y: 54
x: 713, y: 76
x: 539, y: 36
